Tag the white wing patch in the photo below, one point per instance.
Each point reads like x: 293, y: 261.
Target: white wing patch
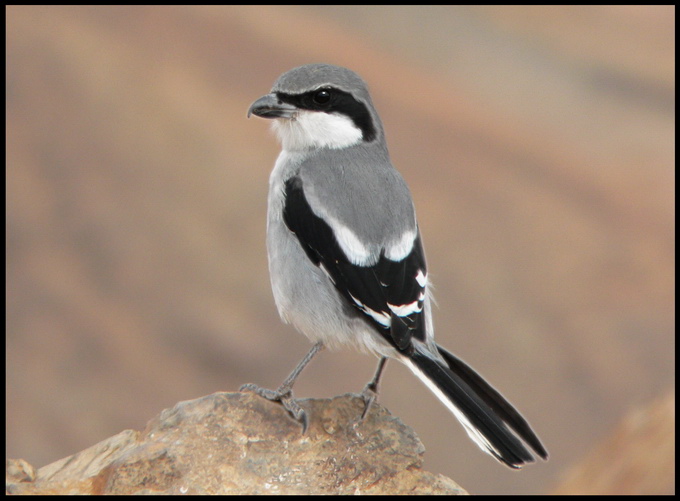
x: 406, y: 309
x: 362, y: 255
x: 421, y: 278
x: 357, y: 253
x: 330, y: 277
x: 402, y: 247
x: 381, y: 318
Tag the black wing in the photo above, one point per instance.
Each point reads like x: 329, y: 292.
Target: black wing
x: 389, y: 294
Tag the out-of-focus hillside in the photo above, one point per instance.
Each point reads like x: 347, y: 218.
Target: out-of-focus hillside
x: 539, y: 146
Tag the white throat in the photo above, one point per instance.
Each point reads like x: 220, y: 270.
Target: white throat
x: 316, y: 129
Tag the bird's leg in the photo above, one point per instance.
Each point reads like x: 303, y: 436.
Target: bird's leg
x: 284, y: 393
x: 370, y: 391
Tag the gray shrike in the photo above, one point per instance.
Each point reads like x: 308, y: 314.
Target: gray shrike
x: 346, y: 260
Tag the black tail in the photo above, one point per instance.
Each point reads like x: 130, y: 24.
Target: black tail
x: 487, y: 417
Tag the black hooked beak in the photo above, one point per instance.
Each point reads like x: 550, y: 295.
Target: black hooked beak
x: 270, y: 106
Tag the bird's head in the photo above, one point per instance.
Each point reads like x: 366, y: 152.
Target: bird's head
x: 320, y: 106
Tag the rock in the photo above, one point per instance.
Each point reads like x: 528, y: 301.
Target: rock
x: 238, y: 443
x: 638, y: 458
x: 18, y: 470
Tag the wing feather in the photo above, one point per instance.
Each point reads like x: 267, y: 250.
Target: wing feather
x: 389, y: 294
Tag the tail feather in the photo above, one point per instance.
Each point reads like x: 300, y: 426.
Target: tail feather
x: 484, y: 413
x: 496, y: 401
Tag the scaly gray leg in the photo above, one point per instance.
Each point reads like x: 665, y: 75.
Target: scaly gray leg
x: 284, y: 393
x: 370, y: 392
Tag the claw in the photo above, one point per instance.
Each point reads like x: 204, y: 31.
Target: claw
x: 285, y: 392
x: 297, y: 412
x: 285, y: 398
x: 370, y: 391
x: 370, y: 396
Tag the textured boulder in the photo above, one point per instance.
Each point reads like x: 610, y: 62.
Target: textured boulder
x: 637, y: 458
x: 237, y: 443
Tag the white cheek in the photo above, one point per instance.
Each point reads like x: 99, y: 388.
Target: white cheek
x: 310, y: 129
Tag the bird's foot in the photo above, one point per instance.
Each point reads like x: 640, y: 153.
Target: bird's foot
x: 370, y: 391
x: 370, y: 396
x: 285, y: 397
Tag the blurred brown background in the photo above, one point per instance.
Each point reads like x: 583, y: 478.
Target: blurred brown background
x: 539, y: 146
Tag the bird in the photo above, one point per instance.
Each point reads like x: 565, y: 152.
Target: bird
x: 346, y: 259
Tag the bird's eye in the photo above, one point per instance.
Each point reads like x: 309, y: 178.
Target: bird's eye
x: 322, y: 96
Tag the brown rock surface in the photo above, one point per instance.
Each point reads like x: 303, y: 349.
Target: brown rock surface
x: 237, y: 443
x: 637, y: 458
